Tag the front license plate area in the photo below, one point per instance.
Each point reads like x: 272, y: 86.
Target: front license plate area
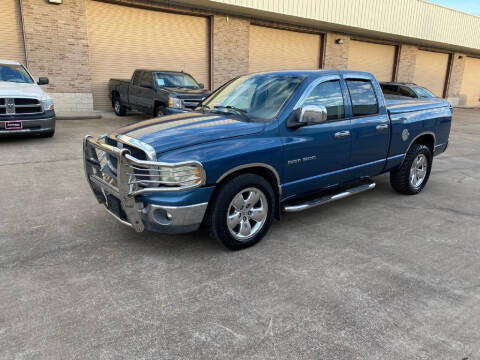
x: 13, y: 125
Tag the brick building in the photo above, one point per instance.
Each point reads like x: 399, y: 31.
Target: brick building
x: 80, y: 44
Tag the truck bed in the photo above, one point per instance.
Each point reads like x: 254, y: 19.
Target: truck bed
x: 396, y: 106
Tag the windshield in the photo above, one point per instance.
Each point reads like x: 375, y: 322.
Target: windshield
x: 257, y: 97
x: 422, y: 92
x: 175, y: 81
x: 14, y: 73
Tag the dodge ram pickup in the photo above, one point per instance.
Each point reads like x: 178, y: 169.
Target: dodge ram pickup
x: 156, y: 93
x: 264, y: 144
x: 24, y: 107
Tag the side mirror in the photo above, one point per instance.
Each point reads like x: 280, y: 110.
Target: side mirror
x: 146, y: 85
x: 43, y: 81
x: 312, y: 114
x: 201, y: 86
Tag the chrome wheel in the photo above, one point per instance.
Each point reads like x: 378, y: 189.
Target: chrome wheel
x: 418, y: 171
x: 117, y: 106
x: 247, y: 213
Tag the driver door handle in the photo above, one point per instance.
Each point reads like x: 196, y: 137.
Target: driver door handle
x: 342, y: 134
x: 382, y: 127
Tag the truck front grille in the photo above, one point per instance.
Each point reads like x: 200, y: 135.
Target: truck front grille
x: 134, y: 151
x: 191, y: 103
x: 23, y: 106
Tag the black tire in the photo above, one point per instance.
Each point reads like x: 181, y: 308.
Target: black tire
x: 48, y: 134
x: 119, y: 109
x: 400, y: 178
x: 217, y: 217
x: 159, y: 110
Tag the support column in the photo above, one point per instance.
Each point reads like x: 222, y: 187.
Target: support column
x: 57, y: 46
x: 230, y: 48
x: 406, y: 63
x: 336, y: 51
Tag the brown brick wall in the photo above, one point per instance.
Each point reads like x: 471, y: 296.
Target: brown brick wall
x: 456, y: 76
x: 406, y: 63
x: 230, y: 48
x: 336, y: 55
x: 57, y: 44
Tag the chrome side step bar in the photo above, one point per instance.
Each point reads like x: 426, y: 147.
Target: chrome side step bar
x: 329, y: 198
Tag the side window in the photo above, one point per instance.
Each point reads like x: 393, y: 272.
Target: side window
x: 328, y: 94
x: 147, y: 79
x: 364, y: 100
x: 136, y: 78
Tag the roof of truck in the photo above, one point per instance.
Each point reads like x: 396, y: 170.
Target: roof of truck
x: 9, y: 62
x: 317, y: 72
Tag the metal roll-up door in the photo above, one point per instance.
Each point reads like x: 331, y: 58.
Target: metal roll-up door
x: 431, y: 71
x: 470, y: 89
x: 123, y: 38
x: 379, y: 59
x: 277, y: 49
x: 11, y: 32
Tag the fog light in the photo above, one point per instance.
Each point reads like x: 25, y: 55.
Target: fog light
x: 162, y: 217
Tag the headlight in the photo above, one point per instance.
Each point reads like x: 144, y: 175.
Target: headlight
x: 187, y: 175
x: 175, y: 103
x: 47, y: 104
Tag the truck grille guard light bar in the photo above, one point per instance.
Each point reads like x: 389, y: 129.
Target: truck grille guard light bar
x: 132, y: 177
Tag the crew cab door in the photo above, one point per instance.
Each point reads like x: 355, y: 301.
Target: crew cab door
x: 370, y: 126
x: 316, y: 156
x: 146, y: 93
x: 134, y: 91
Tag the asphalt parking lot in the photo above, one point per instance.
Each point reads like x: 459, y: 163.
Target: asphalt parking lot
x: 375, y: 276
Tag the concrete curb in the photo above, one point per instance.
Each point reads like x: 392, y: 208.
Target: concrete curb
x: 78, y: 116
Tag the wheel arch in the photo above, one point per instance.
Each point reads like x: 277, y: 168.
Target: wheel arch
x: 426, y: 138
x: 266, y: 171
x: 114, y: 93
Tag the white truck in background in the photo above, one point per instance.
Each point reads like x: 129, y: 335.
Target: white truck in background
x: 24, y: 107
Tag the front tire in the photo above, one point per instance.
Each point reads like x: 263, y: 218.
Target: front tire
x: 159, y: 110
x: 412, y: 176
x: 242, y: 211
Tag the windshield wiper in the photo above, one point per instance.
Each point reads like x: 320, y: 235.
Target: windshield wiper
x: 230, y: 108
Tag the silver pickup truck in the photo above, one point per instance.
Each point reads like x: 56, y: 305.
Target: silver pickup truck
x: 24, y: 107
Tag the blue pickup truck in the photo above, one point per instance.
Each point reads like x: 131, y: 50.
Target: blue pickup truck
x: 261, y: 145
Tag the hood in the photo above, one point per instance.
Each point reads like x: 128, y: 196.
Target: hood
x: 12, y: 89
x: 189, y: 93
x: 192, y: 128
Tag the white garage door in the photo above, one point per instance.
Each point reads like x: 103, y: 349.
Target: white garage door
x: 122, y: 39
x: 11, y: 33
x: 431, y: 71
x: 276, y: 49
x: 470, y: 90
x: 379, y: 59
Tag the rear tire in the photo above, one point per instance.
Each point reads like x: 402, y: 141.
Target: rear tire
x: 412, y: 176
x: 242, y: 211
x: 119, y: 109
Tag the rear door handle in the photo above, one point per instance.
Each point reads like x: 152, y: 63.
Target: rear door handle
x: 382, y: 127
x: 342, y: 134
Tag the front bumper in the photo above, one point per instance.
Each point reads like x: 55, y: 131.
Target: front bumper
x: 141, y: 211
x: 173, y: 111
x: 32, y: 124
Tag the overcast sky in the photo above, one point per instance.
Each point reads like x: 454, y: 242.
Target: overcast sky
x: 470, y: 6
